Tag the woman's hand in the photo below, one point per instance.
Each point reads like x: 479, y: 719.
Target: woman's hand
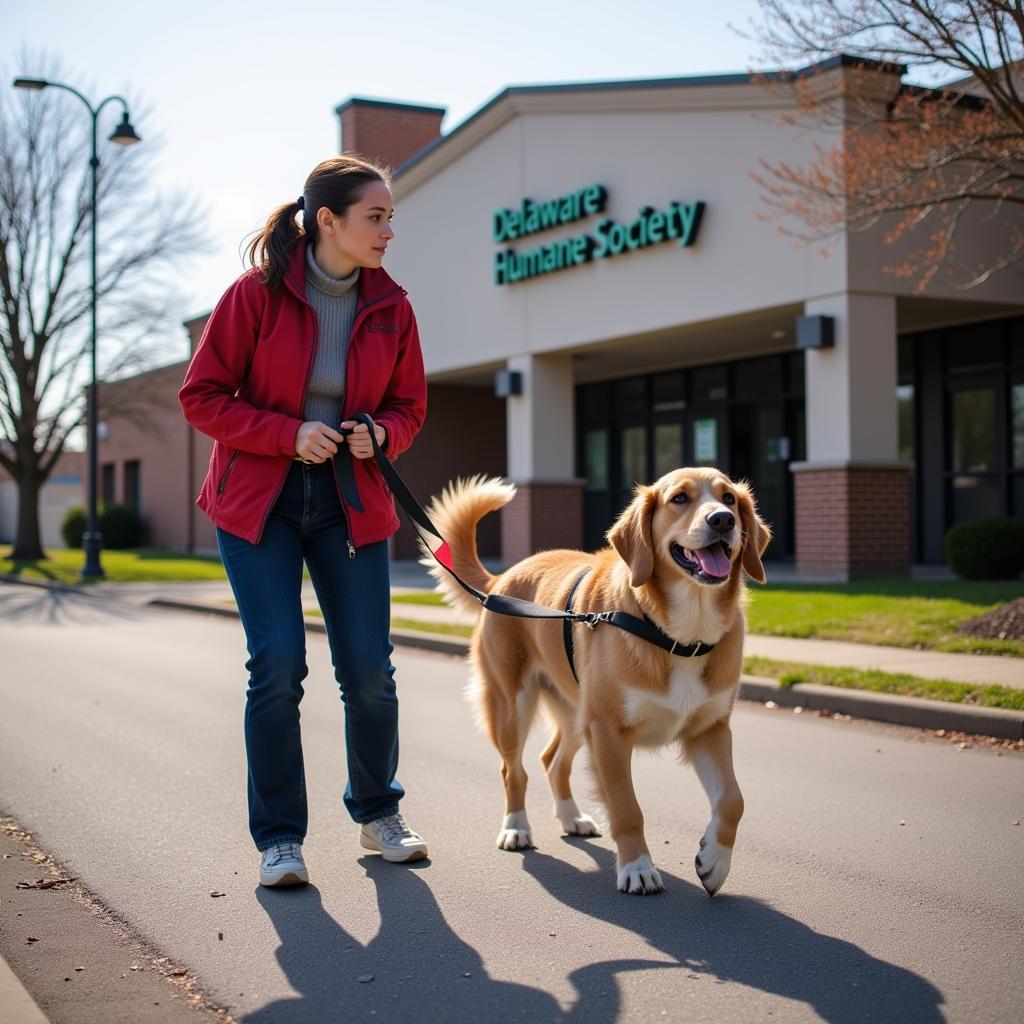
x: 316, y: 442
x: 359, y: 443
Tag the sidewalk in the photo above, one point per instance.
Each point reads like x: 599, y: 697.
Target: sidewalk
x: 410, y: 577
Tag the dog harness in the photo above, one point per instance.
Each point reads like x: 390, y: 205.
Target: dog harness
x: 652, y: 632
x: 645, y: 627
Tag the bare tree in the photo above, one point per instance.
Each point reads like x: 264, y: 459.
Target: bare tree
x: 925, y: 161
x: 45, y: 224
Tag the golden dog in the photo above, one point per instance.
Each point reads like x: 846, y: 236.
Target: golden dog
x: 678, y: 553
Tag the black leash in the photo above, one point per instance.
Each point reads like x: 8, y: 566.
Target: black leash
x: 645, y: 628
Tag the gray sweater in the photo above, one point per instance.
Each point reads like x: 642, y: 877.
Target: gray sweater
x: 334, y: 300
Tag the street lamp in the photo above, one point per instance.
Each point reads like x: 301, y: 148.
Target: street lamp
x: 125, y: 135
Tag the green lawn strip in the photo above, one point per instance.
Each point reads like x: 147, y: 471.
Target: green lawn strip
x: 426, y: 597
x: 789, y: 673
x: 416, y: 625
x: 899, y: 613
x: 139, y: 565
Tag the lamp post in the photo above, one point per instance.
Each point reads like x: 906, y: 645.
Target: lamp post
x: 125, y: 135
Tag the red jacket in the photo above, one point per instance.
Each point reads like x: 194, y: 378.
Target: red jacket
x: 246, y: 386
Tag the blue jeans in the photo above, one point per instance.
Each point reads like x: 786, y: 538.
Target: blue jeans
x: 307, y: 524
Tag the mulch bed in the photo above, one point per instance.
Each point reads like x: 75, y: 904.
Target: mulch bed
x: 1003, y: 623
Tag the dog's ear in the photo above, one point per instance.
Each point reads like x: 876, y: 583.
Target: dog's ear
x: 756, y: 534
x: 631, y: 536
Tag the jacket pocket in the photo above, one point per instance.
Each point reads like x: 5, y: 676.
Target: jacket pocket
x: 227, y: 472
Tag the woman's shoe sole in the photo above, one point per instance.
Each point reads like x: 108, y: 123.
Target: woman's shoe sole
x: 280, y: 881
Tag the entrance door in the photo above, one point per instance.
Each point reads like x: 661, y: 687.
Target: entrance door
x: 762, y: 449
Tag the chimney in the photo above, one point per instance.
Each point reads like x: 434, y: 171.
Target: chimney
x: 386, y: 131
x: 195, y: 328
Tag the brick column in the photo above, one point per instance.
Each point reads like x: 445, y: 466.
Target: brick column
x: 542, y: 516
x: 852, y: 495
x: 852, y: 521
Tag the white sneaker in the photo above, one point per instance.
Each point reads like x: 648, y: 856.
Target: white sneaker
x: 282, y: 864
x: 393, y: 839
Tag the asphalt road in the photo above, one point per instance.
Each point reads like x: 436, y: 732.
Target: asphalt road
x: 878, y: 875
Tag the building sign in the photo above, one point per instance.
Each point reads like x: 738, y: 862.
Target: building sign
x: 678, y: 221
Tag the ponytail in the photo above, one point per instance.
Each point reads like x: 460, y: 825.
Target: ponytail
x: 268, y: 251
x: 337, y: 184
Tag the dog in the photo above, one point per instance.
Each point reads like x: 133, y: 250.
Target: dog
x: 678, y: 554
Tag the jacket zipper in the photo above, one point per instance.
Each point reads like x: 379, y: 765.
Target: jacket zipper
x: 227, y: 472
x: 359, y: 317
x: 309, y: 372
x: 305, y: 387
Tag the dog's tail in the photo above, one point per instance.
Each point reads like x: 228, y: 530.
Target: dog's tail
x: 456, y: 512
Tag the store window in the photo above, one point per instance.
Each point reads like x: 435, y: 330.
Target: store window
x: 905, y: 415
x: 668, y: 392
x: 1017, y: 418
x: 634, y: 457
x: 668, y: 448
x: 595, y: 459
x: 630, y: 397
x: 974, y: 431
x: 709, y: 383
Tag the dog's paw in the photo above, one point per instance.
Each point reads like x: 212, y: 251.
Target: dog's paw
x: 640, y: 876
x: 713, y: 862
x: 573, y: 821
x: 515, y: 832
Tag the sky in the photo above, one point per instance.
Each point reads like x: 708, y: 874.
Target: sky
x: 239, y: 98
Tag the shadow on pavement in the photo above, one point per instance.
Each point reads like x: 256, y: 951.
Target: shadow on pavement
x: 743, y: 940
x: 421, y: 970
x: 41, y: 606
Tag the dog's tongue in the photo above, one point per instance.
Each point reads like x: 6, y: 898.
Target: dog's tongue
x: 713, y: 560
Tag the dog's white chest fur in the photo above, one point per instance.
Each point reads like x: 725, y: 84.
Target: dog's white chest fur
x: 660, y: 717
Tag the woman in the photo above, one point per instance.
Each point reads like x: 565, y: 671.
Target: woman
x: 313, y: 334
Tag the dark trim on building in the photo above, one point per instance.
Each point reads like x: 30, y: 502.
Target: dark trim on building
x: 364, y: 101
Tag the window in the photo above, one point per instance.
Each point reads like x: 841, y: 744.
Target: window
x: 668, y: 392
x: 595, y: 459
x: 634, y: 458
x: 133, y: 485
x: 631, y: 397
x: 1017, y: 419
x: 905, y: 415
x: 709, y: 383
x: 107, y: 483
x: 668, y: 448
x: 974, y: 431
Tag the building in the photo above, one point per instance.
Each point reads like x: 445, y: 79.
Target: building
x: 62, y: 490
x: 599, y: 301
x: 150, y: 459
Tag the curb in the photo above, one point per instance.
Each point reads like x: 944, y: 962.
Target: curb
x: 876, y: 707
x: 19, y: 1006
x: 886, y: 707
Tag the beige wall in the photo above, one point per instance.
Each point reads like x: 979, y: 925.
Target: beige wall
x: 701, y: 144
x: 62, y: 491
x: 646, y: 146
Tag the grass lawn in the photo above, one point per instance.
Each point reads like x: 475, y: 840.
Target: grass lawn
x: 896, y: 613
x: 140, y: 565
x: 790, y: 673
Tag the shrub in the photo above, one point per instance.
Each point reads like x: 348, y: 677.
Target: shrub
x: 121, y: 527
x: 72, y: 526
x: 986, y: 549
